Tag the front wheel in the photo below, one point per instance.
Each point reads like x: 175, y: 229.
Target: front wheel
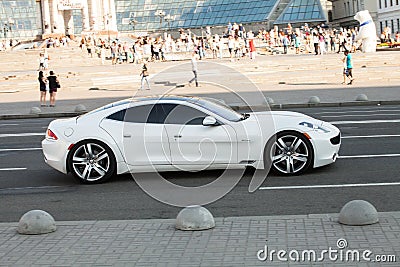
x: 92, y: 162
x: 290, y: 153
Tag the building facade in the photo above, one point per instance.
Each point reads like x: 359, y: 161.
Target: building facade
x: 343, y: 11
x: 32, y: 18
x: 389, y: 16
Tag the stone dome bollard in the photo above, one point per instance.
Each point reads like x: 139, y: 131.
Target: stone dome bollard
x: 80, y: 108
x: 35, y: 110
x: 194, y: 218
x: 362, y: 97
x: 36, y: 222
x: 358, y: 212
x: 314, y: 100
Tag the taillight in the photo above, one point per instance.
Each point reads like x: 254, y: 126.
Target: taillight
x: 50, y: 135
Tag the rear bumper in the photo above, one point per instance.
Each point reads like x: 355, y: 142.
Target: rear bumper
x: 55, y: 154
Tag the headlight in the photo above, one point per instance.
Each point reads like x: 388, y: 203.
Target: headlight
x: 315, y: 127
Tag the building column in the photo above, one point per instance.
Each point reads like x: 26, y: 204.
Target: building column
x: 94, y: 24
x: 68, y: 22
x: 54, y: 16
x: 61, y: 24
x: 85, y: 16
x: 46, y: 17
x: 104, y: 13
x: 113, y: 21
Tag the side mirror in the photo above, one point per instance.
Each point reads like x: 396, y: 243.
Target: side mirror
x: 210, y: 121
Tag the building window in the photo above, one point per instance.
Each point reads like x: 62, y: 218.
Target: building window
x: 385, y: 3
x: 391, y: 2
x: 345, y: 9
x: 381, y: 23
x: 380, y: 4
x: 398, y: 25
x: 392, y: 30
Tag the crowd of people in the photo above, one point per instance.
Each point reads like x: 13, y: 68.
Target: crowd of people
x: 234, y: 42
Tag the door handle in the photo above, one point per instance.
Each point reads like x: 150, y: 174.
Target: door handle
x: 127, y: 136
x: 177, y: 136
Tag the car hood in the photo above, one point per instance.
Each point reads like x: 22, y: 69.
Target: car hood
x: 278, y: 114
x: 284, y: 119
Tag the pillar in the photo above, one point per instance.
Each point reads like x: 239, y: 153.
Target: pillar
x: 69, y: 22
x: 85, y: 16
x: 113, y: 21
x: 46, y: 17
x: 94, y: 24
x: 54, y: 16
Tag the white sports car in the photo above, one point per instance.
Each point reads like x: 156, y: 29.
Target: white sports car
x: 185, y: 133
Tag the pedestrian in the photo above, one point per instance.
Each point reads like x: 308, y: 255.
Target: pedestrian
x: 41, y: 61
x: 285, y: 42
x: 54, y: 84
x: 316, y: 42
x: 144, y: 74
x: 297, y: 43
x: 113, y: 49
x: 46, y: 59
x: 103, y: 54
x: 194, y: 69
x: 349, y: 66
x: 42, y: 87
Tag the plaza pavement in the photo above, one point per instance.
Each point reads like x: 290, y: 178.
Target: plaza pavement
x: 236, y: 241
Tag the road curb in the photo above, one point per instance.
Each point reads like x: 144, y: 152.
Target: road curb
x: 235, y: 107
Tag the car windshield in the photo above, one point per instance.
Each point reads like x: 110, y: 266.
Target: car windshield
x: 220, y: 109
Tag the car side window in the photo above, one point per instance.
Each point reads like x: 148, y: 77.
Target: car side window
x: 185, y: 115
x: 117, y: 116
x: 144, y: 114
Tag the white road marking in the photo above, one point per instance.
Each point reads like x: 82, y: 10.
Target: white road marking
x: 9, y: 124
x: 30, y: 187
x: 364, y: 122
x: 13, y: 169
x: 20, y: 149
x: 22, y: 134
x: 369, y: 156
x: 358, y: 115
x: 326, y: 186
x: 357, y: 111
x: 370, y: 136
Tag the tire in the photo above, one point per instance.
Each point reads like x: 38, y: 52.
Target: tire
x: 289, y: 153
x: 92, y: 162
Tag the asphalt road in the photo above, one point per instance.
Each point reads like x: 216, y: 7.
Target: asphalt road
x: 367, y: 169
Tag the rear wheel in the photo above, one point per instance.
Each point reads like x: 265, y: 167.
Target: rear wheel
x: 91, y: 162
x: 290, y: 153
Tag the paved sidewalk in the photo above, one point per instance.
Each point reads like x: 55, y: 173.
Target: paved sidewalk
x: 235, y: 241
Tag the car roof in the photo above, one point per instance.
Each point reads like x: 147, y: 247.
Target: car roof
x: 166, y: 97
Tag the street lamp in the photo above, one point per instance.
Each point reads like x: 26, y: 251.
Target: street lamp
x: 168, y: 18
x: 133, y: 22
x: 161, y: 14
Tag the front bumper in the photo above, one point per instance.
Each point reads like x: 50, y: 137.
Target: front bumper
x: 326, y: 150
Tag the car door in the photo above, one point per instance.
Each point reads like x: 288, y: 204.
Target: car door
x: 193, y: 144
x: 140, y: 135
